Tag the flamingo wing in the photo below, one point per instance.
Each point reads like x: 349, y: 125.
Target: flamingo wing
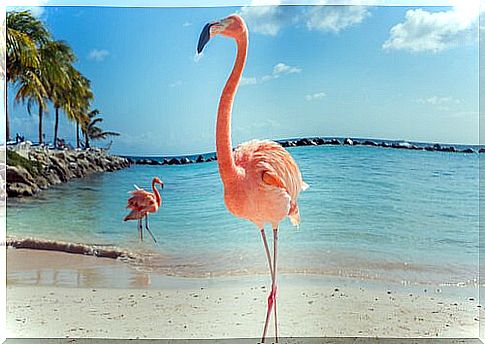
x: 141, y: 202
x: 275, y: 167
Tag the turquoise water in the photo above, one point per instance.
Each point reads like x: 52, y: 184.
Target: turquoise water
x: 371, y: 213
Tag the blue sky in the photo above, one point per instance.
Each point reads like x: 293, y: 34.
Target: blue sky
x: 382, y: 72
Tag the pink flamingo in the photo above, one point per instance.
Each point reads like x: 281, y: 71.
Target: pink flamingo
x: 261, y: 180
x: 143, y: 202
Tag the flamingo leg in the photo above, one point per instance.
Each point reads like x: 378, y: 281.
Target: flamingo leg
x: 273, y: 289
x: 140, y: 229
x: 148, y: 229
x: 271, y: 294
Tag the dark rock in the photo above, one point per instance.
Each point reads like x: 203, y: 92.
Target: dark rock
x: 19, y: 189
x: 313, y: 143
x: 199, y: 159
x: 174, y: 161
x: 401, y: 145
x: 334, y: 142
x: 153, y: 162
x: 319, y: 141
x: 18, y: 174
x: 54, y: 167
x: 185, y: 161
x: 349, y: 142
x: 284, y: 143
x: 384, y: 144
x: 369, y: 143
x: 303, y: 142
x: 450, y: 149
x: 468, y: 150
x: 481, y: 150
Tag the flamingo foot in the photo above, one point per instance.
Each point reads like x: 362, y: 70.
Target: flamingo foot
x: 271, y: 302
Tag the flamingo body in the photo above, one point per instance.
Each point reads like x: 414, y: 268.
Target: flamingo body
x: 267, y: 184
x: 141, y: 203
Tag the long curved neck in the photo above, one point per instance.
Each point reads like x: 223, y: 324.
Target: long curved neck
x: 157, y: 194
x: 227, y: 167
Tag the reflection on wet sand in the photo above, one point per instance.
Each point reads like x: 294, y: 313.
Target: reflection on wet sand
x: 44, y: 268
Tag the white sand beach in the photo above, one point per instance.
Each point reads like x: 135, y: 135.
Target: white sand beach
x: 52, y: 294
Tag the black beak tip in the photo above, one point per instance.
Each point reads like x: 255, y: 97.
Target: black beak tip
x: 204, y: 37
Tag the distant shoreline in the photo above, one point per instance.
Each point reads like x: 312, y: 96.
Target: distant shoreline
x: 313, y: 141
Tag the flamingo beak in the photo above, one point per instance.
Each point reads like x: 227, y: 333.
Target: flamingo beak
x: 204, y: 37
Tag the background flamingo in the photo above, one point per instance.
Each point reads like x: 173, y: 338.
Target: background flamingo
x: 143, y: 202
x: 261, y: 180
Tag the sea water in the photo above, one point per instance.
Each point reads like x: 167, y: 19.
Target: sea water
x: 370, y: 213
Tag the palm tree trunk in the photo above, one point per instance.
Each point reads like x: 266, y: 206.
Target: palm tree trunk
x: 40, y: 124
x: 56, y: 127
x: 77, y: 134
x: 7, y: 127
x: 86, y: 140
x: 7, y: 124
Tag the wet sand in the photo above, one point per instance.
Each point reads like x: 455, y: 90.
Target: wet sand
x: 52, y: 294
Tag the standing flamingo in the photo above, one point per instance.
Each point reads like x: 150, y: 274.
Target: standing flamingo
x: 261, y: 180
x: 143, y: 202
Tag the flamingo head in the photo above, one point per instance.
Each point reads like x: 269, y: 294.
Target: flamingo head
x: 231, y: 26
x: 157, y: 180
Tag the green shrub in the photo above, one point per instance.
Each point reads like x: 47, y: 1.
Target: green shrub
x: 15, y: 159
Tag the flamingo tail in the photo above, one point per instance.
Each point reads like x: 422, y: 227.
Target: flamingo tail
x: 304, y: 186
x: 294, y: 214
x: 133, y: 215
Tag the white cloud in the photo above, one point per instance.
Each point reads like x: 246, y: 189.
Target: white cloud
x: 445, y: 103
x: 186, y: 24
x: 34, y: 6
x: 334, y: 18
x: 98, y: 54
x: 269, y: 20
x: 436, y: 100
x: 248, y: 81
x: 315, y: 96
x: 279, y: 69
x: 424, y: 31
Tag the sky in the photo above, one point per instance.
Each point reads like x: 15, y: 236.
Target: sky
x: 407, y: 73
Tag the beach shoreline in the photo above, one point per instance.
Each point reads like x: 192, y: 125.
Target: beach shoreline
x: 99, y: 304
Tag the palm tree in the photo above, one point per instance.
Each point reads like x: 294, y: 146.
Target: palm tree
x: 93, y: 132
x: 24, y: 34
x: 78, y: 102
x: 32, y: 91
x: 60, y: 91
x: 56, y: 58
